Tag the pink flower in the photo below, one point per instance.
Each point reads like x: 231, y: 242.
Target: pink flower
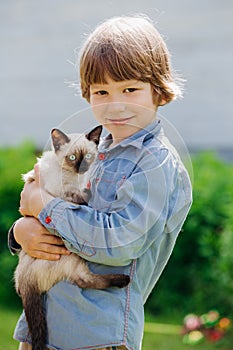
x: 192, y: 322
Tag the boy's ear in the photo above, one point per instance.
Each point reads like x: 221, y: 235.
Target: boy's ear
x: 158, y: 97
x: 162, y: 101
x: 59, y: 138
x: 94, y: 135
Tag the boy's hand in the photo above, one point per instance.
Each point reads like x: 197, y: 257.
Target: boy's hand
x: 36, y: 241
x: 33, y: 197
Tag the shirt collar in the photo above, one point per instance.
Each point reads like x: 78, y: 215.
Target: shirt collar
x: 137, y: 139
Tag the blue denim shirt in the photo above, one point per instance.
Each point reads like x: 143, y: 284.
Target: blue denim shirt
x: 141, y: 194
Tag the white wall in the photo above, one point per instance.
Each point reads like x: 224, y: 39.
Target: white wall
x: 37, y: 38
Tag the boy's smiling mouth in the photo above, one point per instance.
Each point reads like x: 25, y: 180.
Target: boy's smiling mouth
x: 119, y: 121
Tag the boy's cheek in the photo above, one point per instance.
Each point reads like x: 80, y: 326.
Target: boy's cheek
x: 99, y: 111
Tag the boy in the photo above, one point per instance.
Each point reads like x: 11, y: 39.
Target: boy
x: 141, y: 194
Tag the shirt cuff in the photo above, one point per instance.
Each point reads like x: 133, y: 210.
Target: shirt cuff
x: 54, y: 217
x: 12, y: 244
x: 53, y: 212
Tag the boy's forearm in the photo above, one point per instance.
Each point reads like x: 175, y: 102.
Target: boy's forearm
x: 117, y: 237
x: 92, y: 234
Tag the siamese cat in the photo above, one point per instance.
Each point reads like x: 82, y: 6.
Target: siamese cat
x: 64, y: 173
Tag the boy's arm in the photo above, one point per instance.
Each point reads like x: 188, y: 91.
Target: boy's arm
x: 148, y: 204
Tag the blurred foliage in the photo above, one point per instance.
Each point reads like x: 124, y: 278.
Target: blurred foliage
x: 199, y: 275
x: 13, y: 162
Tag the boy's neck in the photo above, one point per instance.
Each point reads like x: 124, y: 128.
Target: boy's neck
x: 113, y: 141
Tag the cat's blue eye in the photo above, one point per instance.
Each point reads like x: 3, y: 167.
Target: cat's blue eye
x: 72, y: 157
x: 88, y: 156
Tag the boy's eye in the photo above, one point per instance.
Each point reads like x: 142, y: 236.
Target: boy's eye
x: 72, y: 157
x: 88, y: 156
x: 101, y: 92
x: 130, y: 90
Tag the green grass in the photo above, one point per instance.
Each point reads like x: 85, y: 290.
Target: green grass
x: 8, y: 319
x: 171, y: 342
x: 161, y: 336
x: 167, y: 337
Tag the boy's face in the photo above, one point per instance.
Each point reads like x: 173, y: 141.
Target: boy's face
x: 123, y: 107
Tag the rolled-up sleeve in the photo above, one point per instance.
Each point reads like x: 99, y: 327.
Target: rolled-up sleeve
x: 14, y: 247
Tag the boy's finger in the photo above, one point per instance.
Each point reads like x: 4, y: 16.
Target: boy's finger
x: 50, y: 239
x: 38, y: 254
x: 54, y: 249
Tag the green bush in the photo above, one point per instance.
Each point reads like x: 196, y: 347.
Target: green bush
x: 199, y: 275
x: 13, y: 162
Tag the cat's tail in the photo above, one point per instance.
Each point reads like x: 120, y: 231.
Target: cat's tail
x: 35, y: 316
x: 117, y: 280
x: 98, y: 281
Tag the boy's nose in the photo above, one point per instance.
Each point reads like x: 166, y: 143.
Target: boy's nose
x: 115, y: 107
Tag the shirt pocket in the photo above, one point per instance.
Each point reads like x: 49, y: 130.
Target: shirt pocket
x: 105, y: 188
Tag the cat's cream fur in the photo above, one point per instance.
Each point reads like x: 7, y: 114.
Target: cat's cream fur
x: 64, y: 173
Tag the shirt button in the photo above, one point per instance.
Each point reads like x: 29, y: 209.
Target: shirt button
x: 101, y: 156
x: 89, y: 185
x: 48, y: 219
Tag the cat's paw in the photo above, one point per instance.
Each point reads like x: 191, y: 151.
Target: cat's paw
x: 87, y: 194
x: 29, y: 177
x: 76, y: 198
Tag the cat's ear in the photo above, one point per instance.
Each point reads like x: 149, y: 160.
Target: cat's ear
x: 58, y: 139
x: 94, y: 135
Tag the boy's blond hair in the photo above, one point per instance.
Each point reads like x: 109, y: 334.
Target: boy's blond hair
x: 126, y: 48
